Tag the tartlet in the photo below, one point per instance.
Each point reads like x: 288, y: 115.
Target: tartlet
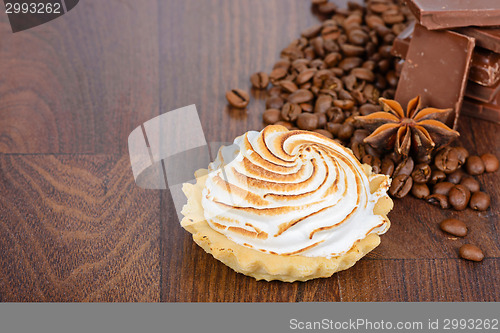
x: 287, y: 205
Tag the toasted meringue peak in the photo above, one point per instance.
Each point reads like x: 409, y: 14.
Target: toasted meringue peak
x: 292, y: 193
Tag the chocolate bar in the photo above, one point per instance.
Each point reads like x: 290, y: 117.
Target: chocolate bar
x: 489, y: 38
x: 436, y: 68
x: 444, y: 14
x: 485, y: 65
x: 482, y: 93
x: 487, y: 111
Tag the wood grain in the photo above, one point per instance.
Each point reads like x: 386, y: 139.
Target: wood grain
x: 81, y: 83
x: 76, y: 228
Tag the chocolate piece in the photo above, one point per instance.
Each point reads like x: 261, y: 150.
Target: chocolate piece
x: 443, y: 14
x: 489, y: 38
x: 482, y: 93
x: 487, y: 111
x: 484, y: 67
x: 436, y: 69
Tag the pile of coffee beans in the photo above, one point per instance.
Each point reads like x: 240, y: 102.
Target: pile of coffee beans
x: 448, y: 181
x: 336, y: 70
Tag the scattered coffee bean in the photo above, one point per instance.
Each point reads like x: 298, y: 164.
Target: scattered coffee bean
x: 443, y: 188
x: 454, y: 227
x: 490, y: 162
x: 345, y: 132
x: 471, y: 184
x: 237, y: 98
x: 474, y: 165
x: 459, y: 197
x: 421, y: 173
x: 401, y: 186
x: 306, y: 107
x: 307, y: 121
x: 480, y: 201
x: 420, y: 191
x: 259, y: 80
x: 323, y: 103
x: 438, y: 200
x: 471, y: 252
x: 271, y: 116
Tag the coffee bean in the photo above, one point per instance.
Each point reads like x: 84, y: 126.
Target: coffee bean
x: 462, y: 155
x: 335, y: 115
x: 317, y: 64
x: 259, y: 80
x: 437, y: 176
x: 367, y: 109
x: 307, y: 121
x: 443, y: 188
x: 359, y: 135
x: 274, y: 102
x: 277, y: 74
x: 357, y: 149
x: 405, y: 167
x: 474, y: 165
x: 322, y: 120
x: 454, y: 227
x: 345, y: 132
x: 420, y: 191
x: 333, y: 128
x: 282, y: 63
x: 305, y: 76
x: 401, y: 186
x: 274, y: 91
x: 349, y: 63
x: 372, y: 151
x: 471, y: 184
x: 237, y: 98
x: 286, y: 124
x: 317, y: 45
x: 374, y: 20
x: 480, y: 201
x: 271, y: 116
x: 312, y: 31
x: 490, y: 162
x: 327, y: 8
x: 306, y: 107
x: 363, y: 74
x: 290, y: 111
x: 300, y: 96
x: 421, y: 173
x: 323, y: 103
x: 332, y: 59
x: 456, y: 176
x: 446, y: 160
x: 344, y: 104
x: 387, y: 166
x: 471, y: 252
x: 288, y: 86
x: 459, y: 197
x: 358, y: 37
x: 438, y: 200
x: 324, y: 133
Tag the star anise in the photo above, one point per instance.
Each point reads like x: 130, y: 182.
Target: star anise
x: 417, y: 130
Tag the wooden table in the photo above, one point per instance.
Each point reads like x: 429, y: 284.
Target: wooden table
x: 75, y: 227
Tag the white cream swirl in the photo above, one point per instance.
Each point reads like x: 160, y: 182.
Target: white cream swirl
x: 291, y: 193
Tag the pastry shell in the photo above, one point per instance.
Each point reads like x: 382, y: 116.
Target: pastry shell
x: 266, y: 266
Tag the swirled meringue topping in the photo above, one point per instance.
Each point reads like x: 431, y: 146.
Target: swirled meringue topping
x: 291, y: 193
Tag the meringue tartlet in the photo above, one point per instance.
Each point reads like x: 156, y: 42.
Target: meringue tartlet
x: 287, y: 205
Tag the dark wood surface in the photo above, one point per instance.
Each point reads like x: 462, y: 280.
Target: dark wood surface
x: 75, y: 227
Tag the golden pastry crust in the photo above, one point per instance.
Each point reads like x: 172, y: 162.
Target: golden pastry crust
x: 266, y: 266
